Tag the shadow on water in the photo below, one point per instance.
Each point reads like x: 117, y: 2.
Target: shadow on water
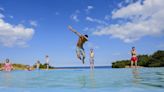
x: 153, y: 85
x: 159, y: 73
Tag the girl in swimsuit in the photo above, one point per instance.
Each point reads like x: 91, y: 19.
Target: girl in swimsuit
x: 8, y: 66
x: 134, y: 58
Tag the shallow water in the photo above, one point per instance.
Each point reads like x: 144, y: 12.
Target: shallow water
x: 84, y: 80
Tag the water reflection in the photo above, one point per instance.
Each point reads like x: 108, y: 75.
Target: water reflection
x: 92, y: 79
x: 136, y: 76
x: 87, y: 80
x: 7, y: 79
x: 82, y: 80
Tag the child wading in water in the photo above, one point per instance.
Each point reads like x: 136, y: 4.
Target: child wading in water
x: 134, y: 58
x: 7, y: 66
x: 79, y: 49
x: 91, y: 59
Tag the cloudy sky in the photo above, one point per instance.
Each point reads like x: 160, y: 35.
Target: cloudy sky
x: 31, y: 29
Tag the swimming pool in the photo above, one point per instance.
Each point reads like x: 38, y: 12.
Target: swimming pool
x: 83, y: 80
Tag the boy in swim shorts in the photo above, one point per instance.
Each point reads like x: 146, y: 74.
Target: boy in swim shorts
x: 79, y: 48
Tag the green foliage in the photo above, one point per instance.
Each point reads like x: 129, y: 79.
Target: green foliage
x: 120, y: 64
x: 23, y: 67
x: 19, y: 66
x: 143, y: 60
x: 44, y: 66
x: 1, y: 65
x: 155, y: 60
x: 16, y: 66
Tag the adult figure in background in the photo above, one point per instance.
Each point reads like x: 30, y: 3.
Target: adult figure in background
x: 38, y: 65
x: 47, y: 61
x: 134, y: 58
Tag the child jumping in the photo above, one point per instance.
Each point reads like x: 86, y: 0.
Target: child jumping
x: 79, y: 49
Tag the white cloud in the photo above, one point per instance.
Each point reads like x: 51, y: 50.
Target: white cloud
x: 75, y: 15
x: 89, y: 8
x: 120, y: 5
x: 2, y: 9
x: 1, y: 16
x: 107, y: 17
x: 33, y: 23
x: 86, y: 29
x: 90, y: 30
x: 128, y: 1
x: 149, y: 8
x: 146, y: 19
x: 96, y: 20
x: 75, y: 18
x: 14, y: 35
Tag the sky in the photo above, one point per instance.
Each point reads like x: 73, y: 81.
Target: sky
x: 31, y: 29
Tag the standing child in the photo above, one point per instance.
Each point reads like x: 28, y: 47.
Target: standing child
x: 91, y: 59
x: 134, y: 58
x: 8, y: 66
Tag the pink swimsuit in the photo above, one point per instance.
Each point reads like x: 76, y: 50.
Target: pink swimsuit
x: 7, y: 67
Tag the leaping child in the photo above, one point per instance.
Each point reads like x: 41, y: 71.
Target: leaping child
x: 79, y: 48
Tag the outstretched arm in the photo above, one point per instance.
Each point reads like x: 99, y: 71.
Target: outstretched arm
x: 77, y: 33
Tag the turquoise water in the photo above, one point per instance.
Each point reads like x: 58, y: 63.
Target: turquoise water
x: 83, y: 80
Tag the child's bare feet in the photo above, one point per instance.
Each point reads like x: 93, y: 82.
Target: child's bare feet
x: 79, y: 57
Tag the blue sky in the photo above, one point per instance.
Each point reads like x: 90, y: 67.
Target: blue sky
x: 31, y: 29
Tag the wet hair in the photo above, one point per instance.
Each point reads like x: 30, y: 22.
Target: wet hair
x: 86, y: 36
x: 7, y: 60
x: 38, y: 61
x: 133, y: 47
